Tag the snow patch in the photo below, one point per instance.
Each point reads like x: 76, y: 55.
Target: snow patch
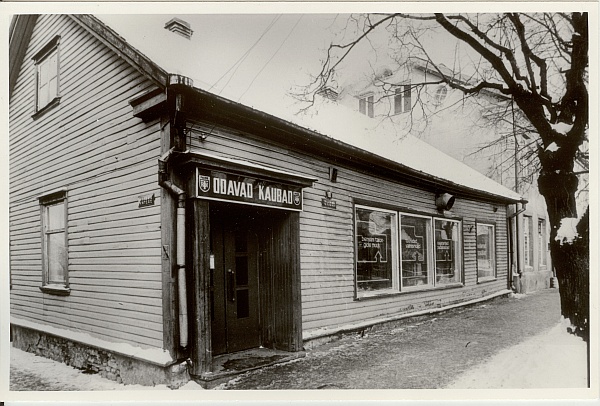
x: 561, y: 128
x: 552, y: 359
x: 567, y: 232
x: 153, y: 355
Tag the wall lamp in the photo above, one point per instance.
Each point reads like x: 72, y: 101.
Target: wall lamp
x: 444, y: 201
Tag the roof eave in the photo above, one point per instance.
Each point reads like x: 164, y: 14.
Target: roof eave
x: 118, y: 44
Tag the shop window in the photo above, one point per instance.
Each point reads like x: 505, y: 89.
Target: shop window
x: 447, y: 252
x: 376, y: 234
x: 542, y: 242
x: 486, y: 252
x: 415, y: 235
x: 47, y: 68
x: 54, y: 243
x: 527, y: 243
x: 430, y: 251
x: 402, y: 99
x: 365, y: 105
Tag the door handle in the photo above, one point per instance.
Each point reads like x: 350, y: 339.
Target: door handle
x: 231, y: 285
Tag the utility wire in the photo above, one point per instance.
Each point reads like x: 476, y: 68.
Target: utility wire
x: 271, y: 58
x: 238, y: 63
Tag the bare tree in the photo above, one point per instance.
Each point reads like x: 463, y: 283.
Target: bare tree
x: 539, y: 63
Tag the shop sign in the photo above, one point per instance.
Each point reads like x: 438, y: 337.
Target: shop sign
x: 412, y: 245
x: 230, y: 187
x: 443, y: 250
x: 372, y: 247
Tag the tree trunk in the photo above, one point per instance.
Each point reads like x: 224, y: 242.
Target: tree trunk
x: 570, y: 259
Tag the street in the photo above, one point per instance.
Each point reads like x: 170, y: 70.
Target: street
x: 426, y: 352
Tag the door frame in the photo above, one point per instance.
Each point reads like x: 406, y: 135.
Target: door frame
x: 286, y: 334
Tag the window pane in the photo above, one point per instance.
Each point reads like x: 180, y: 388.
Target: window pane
x: 42, y: 96
x: 407, y: 105
x: 56, y: 216
x: 527, y: 243
x: 362, y: 106
x: 398, y: 101
x: 52, y: 88
x: 415, y: 257
x: 57, y: 258
x: 43, y: 72
x: 375, y: 231
x: 447, y: 252
x: 485, y: 251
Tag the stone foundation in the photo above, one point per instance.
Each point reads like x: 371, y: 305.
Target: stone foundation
x: 111, y: 365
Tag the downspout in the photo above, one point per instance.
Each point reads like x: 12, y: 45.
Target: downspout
x: 166, y: 183
x: 516, y: 241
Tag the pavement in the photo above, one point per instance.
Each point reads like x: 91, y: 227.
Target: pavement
x: 425, y: 352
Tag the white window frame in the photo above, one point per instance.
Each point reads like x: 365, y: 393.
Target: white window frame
x: 46, y: 202
x: 43, y: 60
x: 394, y: 253
x: 366, y: 105
x: 459, y: 257
x: 494, y: 275
x: 400, y: 104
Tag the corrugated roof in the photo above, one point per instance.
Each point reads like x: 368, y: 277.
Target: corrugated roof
x: 178, y: 55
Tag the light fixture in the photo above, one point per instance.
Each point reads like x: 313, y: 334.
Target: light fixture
x: 328, y: 194
x: 444, y: 201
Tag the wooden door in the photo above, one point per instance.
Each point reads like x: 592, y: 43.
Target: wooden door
x: 234, y: 283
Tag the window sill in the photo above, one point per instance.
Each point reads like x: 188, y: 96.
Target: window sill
x: 56, y: 290
x: 387, y: 293
x: 488, y: 279
x: 47, y: 107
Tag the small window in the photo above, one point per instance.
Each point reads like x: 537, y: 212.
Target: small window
x: 542, y: 252
x: 402, y: 99
x: 486, y: 252
x: 440, y: 94
x: 447, y: 252
x: 376, y: 234
x: 365, y: 105
x: 527, y: 243
x: 54, y: 243
x: 47, y: 78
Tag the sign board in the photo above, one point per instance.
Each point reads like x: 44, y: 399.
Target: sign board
x: 328, y: 203
x: 443, y: 250
x: 235, y: 188
x: 371, y: 247
x: 146, y: 200
x: 412, y: 245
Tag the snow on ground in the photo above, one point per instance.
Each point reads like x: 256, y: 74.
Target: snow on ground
x: 63, y: 375
x: 553, y: 359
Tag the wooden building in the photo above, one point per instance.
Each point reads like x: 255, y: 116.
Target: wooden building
x: 153, y: 222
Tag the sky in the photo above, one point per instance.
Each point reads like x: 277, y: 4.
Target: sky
x: 241, y: 57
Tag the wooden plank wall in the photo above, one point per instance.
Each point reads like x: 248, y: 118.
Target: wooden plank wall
x: 92, y: 145
x: 326, y: 236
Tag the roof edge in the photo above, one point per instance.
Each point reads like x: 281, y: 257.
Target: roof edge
x: 21, y: 29
x: 118, y: 44
x: 322, y: 141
